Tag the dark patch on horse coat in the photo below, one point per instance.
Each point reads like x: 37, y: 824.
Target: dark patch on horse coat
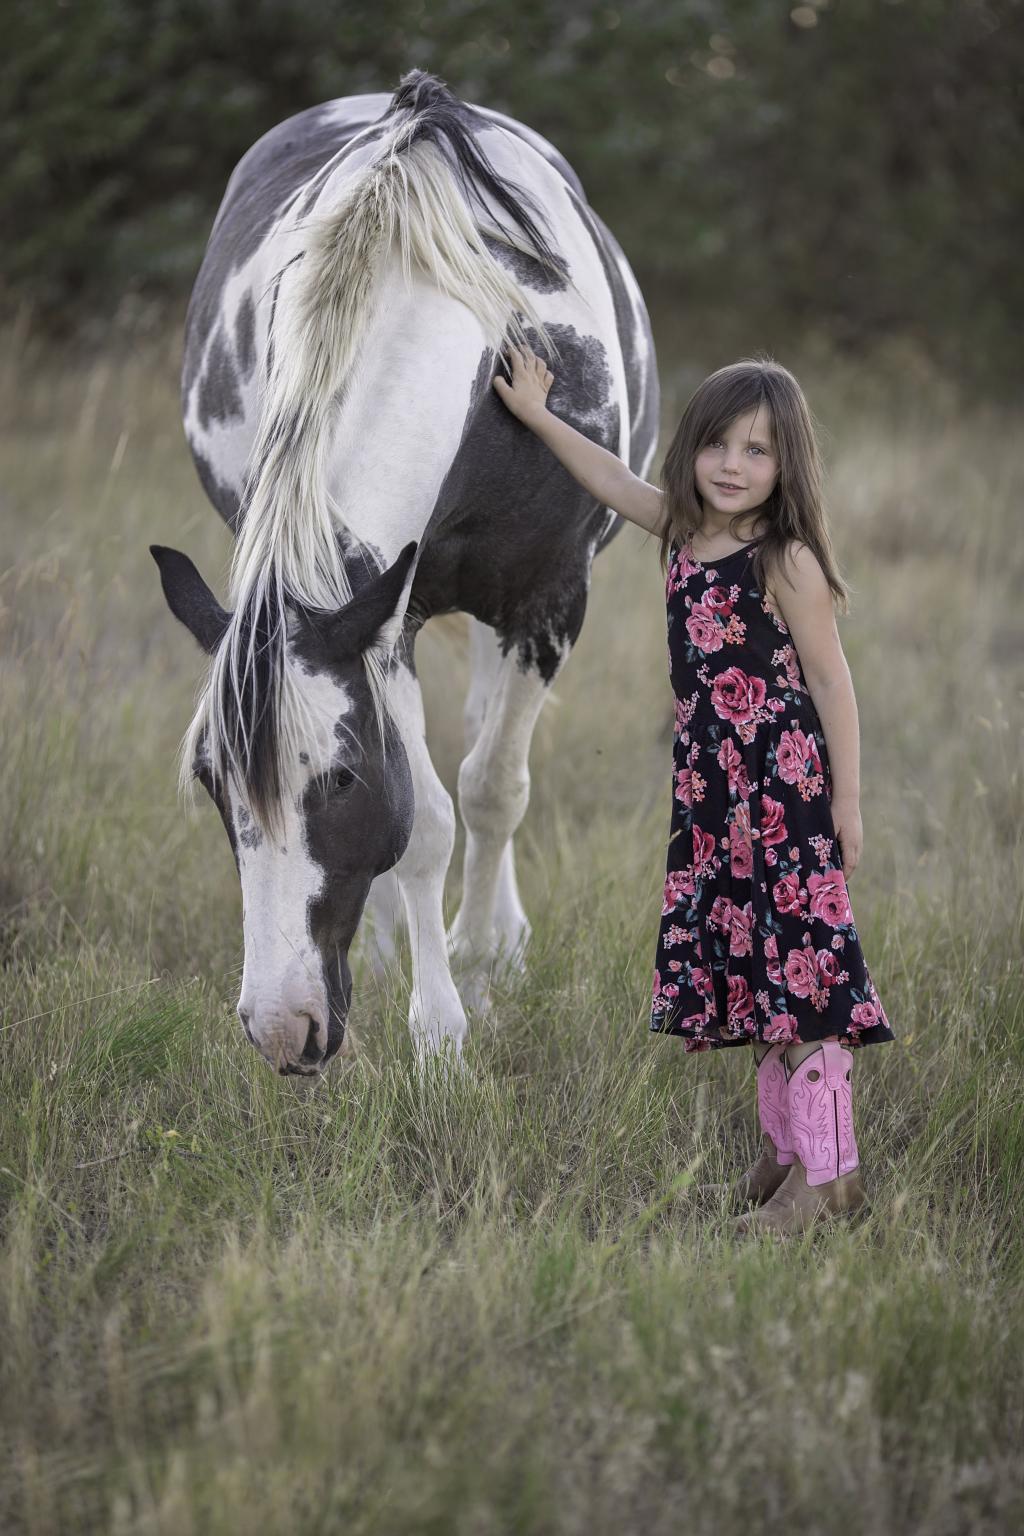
x: 219, y: 396
x: 262, y: 184
x: 245, y: 336
x: 526, y: 269
x: 223, y: 496
x: 249, y: 834
x: 524, y: 572
x: 352, y: 841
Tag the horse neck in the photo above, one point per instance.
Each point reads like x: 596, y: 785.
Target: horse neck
x: 420, y: 372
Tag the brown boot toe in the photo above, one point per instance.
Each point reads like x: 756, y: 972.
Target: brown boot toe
x: 797, y: 1205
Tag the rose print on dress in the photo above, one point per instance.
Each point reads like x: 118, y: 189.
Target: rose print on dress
x: 737, y: 697
x: 735, y: 769
x: 829, y: 898
x: 704, y: 630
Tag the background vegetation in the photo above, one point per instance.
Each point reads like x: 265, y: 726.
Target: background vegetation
x: 855, y: 166
x: 231, y: 1302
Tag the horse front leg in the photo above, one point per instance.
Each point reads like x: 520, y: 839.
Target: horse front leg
x: 436, y: 1013
x: 382, y: 924
x: 494, y: 791
x: 511, y: 929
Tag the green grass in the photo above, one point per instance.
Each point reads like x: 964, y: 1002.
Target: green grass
x: 507, y: 1300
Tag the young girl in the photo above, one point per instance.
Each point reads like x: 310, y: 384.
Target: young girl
x: 757, y: 941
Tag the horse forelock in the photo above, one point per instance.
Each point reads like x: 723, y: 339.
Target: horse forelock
x: 267, y: 721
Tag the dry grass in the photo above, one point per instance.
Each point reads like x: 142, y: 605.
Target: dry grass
x: 231, y: 1302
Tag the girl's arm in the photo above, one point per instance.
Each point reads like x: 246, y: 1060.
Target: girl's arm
x: 602, y: 473
x: 805, y: 602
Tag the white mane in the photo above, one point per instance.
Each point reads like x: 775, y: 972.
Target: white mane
x: 287, y: 549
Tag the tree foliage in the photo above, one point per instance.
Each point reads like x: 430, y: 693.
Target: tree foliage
x: 858, y: 162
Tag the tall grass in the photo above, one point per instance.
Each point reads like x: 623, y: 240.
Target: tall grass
x: 508, y: 1300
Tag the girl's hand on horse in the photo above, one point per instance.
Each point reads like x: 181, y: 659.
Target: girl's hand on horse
x: 527, y: 395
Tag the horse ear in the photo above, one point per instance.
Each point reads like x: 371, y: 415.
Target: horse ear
x: 366, y: 616
x: 189, y: 598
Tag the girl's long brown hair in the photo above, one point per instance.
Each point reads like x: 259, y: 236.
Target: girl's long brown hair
x: 795, y: 508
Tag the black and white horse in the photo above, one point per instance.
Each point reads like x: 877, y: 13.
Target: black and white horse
x: 370, y: 258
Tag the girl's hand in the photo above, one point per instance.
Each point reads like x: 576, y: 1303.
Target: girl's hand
x: 849, y: 833
x: 527, y: 395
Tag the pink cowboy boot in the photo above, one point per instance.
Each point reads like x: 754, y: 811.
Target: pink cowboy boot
x: 825, y: 1179
x: 763, y: 1178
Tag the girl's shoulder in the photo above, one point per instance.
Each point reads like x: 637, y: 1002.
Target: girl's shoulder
x: 793, y: 556
x: 792, y: 573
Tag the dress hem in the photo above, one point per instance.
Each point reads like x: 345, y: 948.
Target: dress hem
x: 877, y: 1034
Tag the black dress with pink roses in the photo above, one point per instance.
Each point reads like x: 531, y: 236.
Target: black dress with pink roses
x: 757, y: 938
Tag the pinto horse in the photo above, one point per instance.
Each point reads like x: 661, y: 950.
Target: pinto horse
x: 369, y: 261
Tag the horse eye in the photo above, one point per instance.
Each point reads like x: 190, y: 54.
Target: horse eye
x: 341, y: 779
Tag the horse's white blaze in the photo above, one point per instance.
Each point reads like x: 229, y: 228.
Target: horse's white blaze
x: 283, y: 982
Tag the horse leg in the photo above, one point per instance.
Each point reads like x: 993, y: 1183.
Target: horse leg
x: 494, y: 790
x: 484, y: 661
x: 381, y: 924
x: 382, y: 918
x: 436, y: 1013
x: 511, y: 926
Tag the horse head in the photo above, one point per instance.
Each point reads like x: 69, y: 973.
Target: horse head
x: 302, y: 759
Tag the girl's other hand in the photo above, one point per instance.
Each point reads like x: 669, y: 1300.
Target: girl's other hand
x: 527, y: 395
x: 849, y: 833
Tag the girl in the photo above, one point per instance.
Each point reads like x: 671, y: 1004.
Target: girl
x: 757, y: 942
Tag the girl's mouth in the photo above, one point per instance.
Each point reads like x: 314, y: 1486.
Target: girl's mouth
x: 726, y: 486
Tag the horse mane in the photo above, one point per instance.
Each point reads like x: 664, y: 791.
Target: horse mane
x: 417, y: 193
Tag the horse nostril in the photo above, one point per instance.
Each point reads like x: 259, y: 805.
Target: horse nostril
x: 311, y: 1050
x: 243, y: 1014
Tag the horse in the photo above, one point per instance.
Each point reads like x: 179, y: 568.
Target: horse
x: 370, y: 263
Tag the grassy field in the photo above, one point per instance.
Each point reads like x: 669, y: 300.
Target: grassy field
x: 231, y: 1302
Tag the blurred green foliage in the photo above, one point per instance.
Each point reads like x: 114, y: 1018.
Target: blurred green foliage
x: 855, y: 165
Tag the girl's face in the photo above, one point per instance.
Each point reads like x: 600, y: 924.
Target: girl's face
x: 737, y: 471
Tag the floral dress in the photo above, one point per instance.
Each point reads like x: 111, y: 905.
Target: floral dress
x: 757, y: 938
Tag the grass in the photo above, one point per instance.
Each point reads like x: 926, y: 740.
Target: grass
x: 508, y: 1300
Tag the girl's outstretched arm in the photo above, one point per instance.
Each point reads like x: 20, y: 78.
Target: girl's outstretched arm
x: 602, y: 473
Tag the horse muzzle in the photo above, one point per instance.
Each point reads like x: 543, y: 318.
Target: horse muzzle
x: 294, y: 1040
